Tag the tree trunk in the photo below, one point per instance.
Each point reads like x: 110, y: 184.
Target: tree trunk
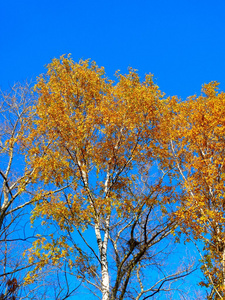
x: 105, y: 274
x: 102, y: 246
x: 223, y: 266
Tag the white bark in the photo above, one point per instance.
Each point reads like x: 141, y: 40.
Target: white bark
x: 103, y: 249
x: 223, y: 266
x: 102, y: 246
x: 102, y: 242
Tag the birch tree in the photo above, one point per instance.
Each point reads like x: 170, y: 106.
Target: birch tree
x: 14, y: 177
x: 196, y: 150
x: 14, y: 180
x: 97, y: 137
x: 16, y: 198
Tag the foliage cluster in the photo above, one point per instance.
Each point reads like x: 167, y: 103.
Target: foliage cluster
x: 116, y: 173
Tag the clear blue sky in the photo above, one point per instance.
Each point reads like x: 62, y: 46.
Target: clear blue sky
x: 182, y: 42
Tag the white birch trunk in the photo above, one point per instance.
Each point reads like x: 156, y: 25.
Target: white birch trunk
x: 102, y: 242
x: 102, y: 245
x: 105, y: 271
x: 223, y: 266
x: 103, y: 250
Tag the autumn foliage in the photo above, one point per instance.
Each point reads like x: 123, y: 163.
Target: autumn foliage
x: 97, y: 141
x: 119, y: 172
x: 196, y: 145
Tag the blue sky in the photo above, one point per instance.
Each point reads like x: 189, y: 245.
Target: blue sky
x: 181, y: 42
